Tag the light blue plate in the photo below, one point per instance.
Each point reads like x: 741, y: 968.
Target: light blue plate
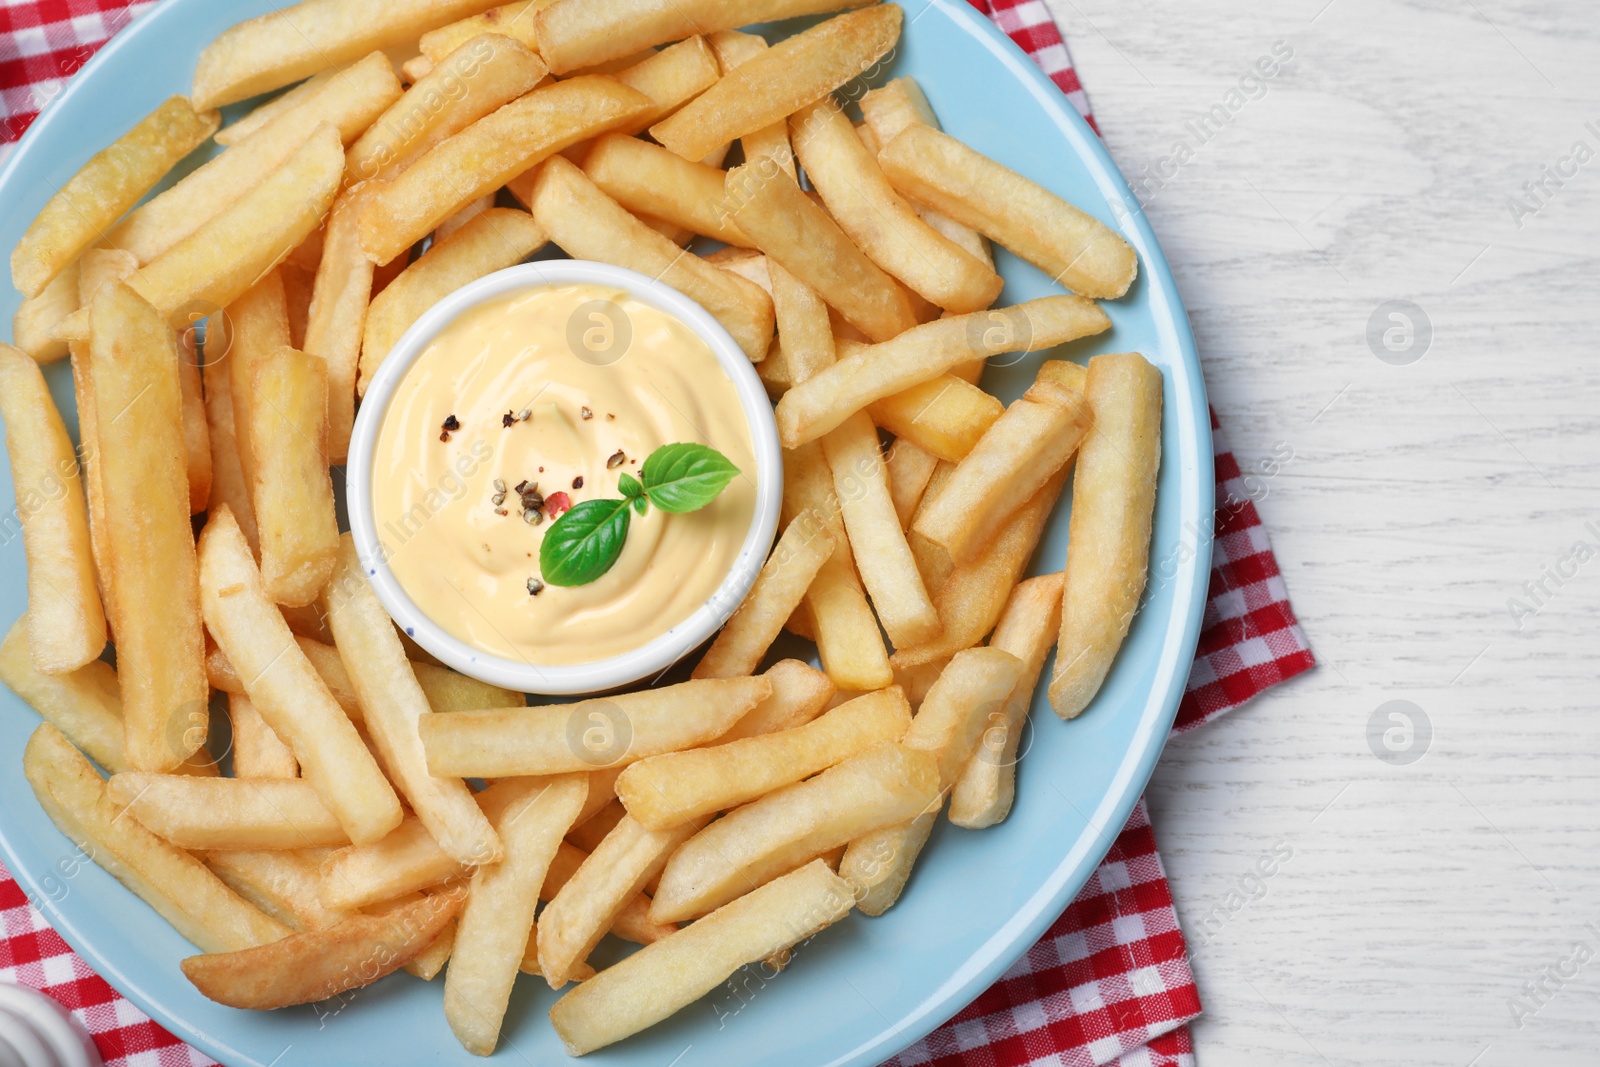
x: 866, y: 988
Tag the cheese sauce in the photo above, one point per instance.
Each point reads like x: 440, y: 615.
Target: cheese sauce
x: 542, y: 389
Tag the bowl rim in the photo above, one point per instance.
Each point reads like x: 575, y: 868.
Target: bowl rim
x: 662, y: 651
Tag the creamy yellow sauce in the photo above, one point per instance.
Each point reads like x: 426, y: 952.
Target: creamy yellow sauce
x: 562, y: 355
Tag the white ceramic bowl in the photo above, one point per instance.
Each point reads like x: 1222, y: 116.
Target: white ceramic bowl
x: 649, y: 659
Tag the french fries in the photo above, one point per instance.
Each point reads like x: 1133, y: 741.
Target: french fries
x: 477, y: 77
x: 601, y: 732
x: 292, y: 492
x: 494, y: 924
x: 1113, y: 506
x: 338, y: 315
x: 791, y: 826
x: 668, y: 790
x: 983, y: 792
x: 799, y: 554
x: 800, y: 692
x: 949, y: 724
x: 581, y: 912
x: 588, y: 224
x: 945, y: 416
x: 284, y: 688
x: 500, y: 237
x: 282, y: 883
x: 1075, y: 249
x: 349, y: 102
x: 971, y: 597
x: 106, y: 186
x: 769, y: 208
x: 160, y: 646
x: 514, y: 20
x: 669, y: 78
x: 910, y: 468
x: 33, y: 327
x: 797, y: 71
x: 216, y: 263
x: 647, y: 179
x: 671, y: 974
x: 171, y: 881
x: 842, y: 622
x: 283, y: 46
x: 489, y: 153
x: 888, y: 230
x: 1012, y: 461
x: 258, y: 751
x: 812, y: 408
x: 393, y: 707
x: 232, y: 813
x: 66, y: 621
x: 882, y: 554
x: 306, y: 967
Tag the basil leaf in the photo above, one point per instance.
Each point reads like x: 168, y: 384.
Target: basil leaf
x: 629, y: 487
x: 584, y: 542
x: 640, y: 504
x: 685, y: 477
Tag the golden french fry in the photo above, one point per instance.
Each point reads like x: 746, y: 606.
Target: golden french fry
x: 292, y: 491
x: 283, y: 46
x: 1072, y: 247
x: 306, y: 967
x: 66, y: 621
x: 971, y: 598
x: 160, y: 645
x: 671, y: 974
x: 196, y: 439
x: 394, y: 706
x: 171, y: 881
x: 803, y: 324
x: 882, y: 554
x: 590, y: 734
x: 514, y: 20
x: 221, y: 259
x: 799, y: 554
x: 841, y: 621
x: 298, y: 284
x: 1027, y: 628
x: 229, y: 487
x: 477, y: 77
x: 498, y: 238
x: 285, y: 689
x: 349, y: 102
x: 258, y: 752
x: 231, y: 813
x: 573, y: 34
x: 671, y: 789
x: 588, y: 224
x: 888, y: 230
x: 753, y: 844
x: 648, y: 180
x: 257, y: 329
x: 324, y: 659
x: 495, y: 922
x: 801, y: 237
x: 669, y: 78
x: 812, y: 408
x: 448, y: 691
x: 944, y: 415
x: 282, y: 883
x: 917, y: 680
x: 769, y: 145
x: 111, y: 182
x: 489, y: 153
x: 949, y: 724
x: 796, y: 71
x: 579, y: 915
x: 890, y: 109
x: 588, y: 834
x: 910, y: 467
x: 338, y: 315
x: 1113, y: 506
x: 427, y: 964
x: 289, y: 99
x: 799, y: 694
x: 462, y: 217
x: 33, y: 327
x: 1023, y: 449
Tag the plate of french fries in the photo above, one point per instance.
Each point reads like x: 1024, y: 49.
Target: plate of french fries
x: 284, y: 830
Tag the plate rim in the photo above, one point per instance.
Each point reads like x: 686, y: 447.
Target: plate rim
x: 996, y: 955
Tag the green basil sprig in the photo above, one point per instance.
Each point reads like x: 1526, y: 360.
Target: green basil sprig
x: 586, y: 540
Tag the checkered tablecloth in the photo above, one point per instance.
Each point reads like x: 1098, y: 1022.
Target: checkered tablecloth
x: 1109, y: 983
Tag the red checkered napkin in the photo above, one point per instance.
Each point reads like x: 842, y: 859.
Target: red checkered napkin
x: 1109, y: 983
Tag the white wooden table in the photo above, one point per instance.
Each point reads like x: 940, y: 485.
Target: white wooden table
x: 1446, y: 910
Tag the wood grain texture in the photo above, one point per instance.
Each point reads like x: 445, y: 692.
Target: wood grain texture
x: 1376, y: 165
